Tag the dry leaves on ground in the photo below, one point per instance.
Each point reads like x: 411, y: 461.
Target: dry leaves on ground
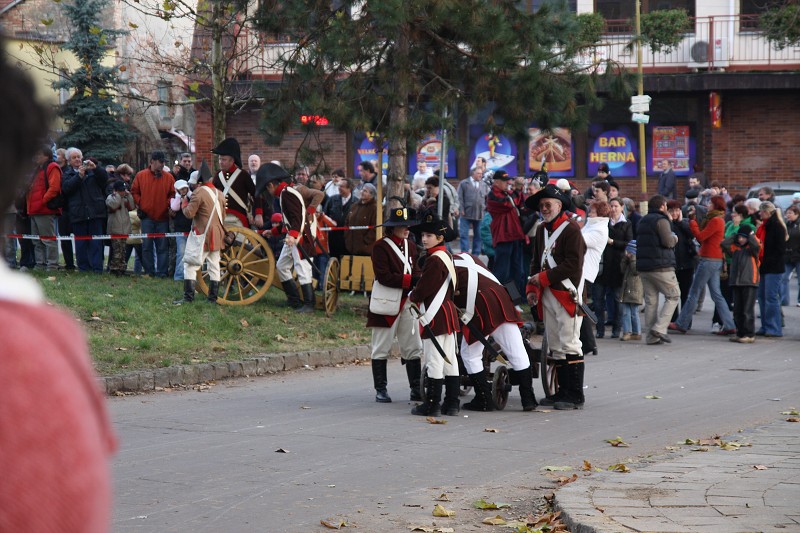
x: 557, y: 468
x: 442, y: 498
x: 495, y: 520
x: 483, y: 504
x: 618, y: 442
x: 491, y: 430
x: 619, y: 467
x: 432, y: 420
x: 440, y: 511
x: 759, y: 467
x: 793, y: 419
x: 564, y: 480
x: 333, y: 524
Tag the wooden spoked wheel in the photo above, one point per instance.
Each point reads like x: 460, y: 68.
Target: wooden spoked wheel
x: 330, y: 287
x: 548, y: 369
x: 246, y: 269
x: 501, y: 384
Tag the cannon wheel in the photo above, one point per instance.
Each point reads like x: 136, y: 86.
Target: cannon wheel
x: 500, y: 387
x: 548, y: 370
x: 330, y: 287
x: 246, y: 269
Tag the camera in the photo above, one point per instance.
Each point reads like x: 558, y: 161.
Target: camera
x: 85, y: 161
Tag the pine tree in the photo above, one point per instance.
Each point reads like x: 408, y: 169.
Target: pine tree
x: 91, y: 114
x: 396, y: 66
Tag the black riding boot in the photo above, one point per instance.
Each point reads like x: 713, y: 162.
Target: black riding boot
x: 414, y: 371
x: 526, y: 394
x: 451, y: 405
x: 213, y: 291
x: 433, y: 397
x: 483, y: 400
x: 292, y: 296
x: 561, y: 376
x: 573, y: 386
x: 188, y: 292
x: 308, y: 298
x: 379, y: 379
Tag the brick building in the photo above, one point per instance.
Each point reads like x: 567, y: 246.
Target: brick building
x: 724, y: 57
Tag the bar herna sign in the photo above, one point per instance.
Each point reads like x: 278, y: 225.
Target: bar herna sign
x: 615, y: 148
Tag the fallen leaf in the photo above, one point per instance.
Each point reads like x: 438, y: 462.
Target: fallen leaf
x: 701, y: 449
x: 121, y: 349
x: 96, y: 318
x: 434, y: 529
x: 652, y: 397
x: 442, y: 498
x: 441, y: 512
x: 618, y: 442
x: 109, y: 295
x: 333, y: 525
x: 95, y: 313
x: 281, y: 450
x: 432, y: 420
x: 491, y: 430
x: 483, y: 504
x: 304, y: 407
x: 495, y: 521
x: 342, y: 335
x: 51, y: 278
x: 759, y: 467
x: 565, y: 480
x: 791, y: 411
x: 280, y: 338
x: 619, y: 467
x: 732, y: 446
x: 557, y: 468
x: 244, y: 323
x: 586, y: 465
x: 793, y: 419
x: 716, y: 441
x: 691, y: 442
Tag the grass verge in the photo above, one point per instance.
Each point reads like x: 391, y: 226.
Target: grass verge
x: 131, y: 322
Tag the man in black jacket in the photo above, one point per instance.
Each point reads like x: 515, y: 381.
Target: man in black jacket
x: 337, y: 208
x: 84, y: 185
x: 655, y: 261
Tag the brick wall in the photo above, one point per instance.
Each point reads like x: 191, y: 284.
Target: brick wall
x: 759, y: 140
x: 244, y: 127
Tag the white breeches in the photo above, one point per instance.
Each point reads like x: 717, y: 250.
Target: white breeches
x: 290, y: 258
x: 437, y: 367
x: 405, y: 329
x: 509, y: 338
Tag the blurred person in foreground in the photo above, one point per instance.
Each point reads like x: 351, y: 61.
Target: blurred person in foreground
x: 55, y: 434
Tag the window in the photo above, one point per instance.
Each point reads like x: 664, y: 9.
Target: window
x: 163, y: 98
x: 534, y: 5
x: 622, y: 11
x: 751, y: 10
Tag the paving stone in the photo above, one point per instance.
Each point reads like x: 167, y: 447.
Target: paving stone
x: 161, y: 378
x: 205, y: 372
x: 176, y: 375
x: 292, y: 361
x: 130, y: 382
x: 113, y: 384
x: 319, y: 358
x: 271, y: 364
x: 191, y: 374
x: 235, y: 369
x: 221, y: 370
x: 651, y: 525
x: 249, y: 367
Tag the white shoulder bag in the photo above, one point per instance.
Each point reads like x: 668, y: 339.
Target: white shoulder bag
x: 386, y: 300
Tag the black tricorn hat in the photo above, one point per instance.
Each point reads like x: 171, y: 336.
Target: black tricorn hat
x: 549, y: 191
x: 431, y: 223
x: 229, y: 146
x: 267, y: 173
x: 401, y: 216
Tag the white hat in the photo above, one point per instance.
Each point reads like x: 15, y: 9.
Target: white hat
x: 180, y: 184
x: 192, y: 178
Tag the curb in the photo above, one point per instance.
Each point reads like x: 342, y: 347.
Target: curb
x: 186, y: 375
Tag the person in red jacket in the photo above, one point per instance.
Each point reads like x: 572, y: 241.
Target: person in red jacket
x: 710, y: 234
x: 507, y: 235
x: 46, y: 186
x: 433, y: 294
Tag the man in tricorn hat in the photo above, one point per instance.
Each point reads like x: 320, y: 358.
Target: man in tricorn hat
x: 298, y: 205
x: 556, y: 286
x: 243, y: 208
x: 394, y: 261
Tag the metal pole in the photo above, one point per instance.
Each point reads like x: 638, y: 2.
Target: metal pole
x: 640, y: 90
x: 379, y: 199
x: 442, y: 161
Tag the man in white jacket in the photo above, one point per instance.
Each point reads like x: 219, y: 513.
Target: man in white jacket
x: 595, y: 235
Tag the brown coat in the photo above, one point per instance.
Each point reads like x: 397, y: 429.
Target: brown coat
x: 568, y: 253
x: 389, y: 271
x: 201, y: 209
x: 434, y: 274
x: 493, y: 305
x: 359, y: 242
x: 293, y: 209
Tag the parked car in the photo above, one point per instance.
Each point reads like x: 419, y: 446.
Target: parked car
x: 784, y: 192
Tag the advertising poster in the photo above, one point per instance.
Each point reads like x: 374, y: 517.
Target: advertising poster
x: 554, y: 148
x: 673, y: 143
x: 613, y: 144
x: 499, y: 151
x: 429, y: 149
x: 366, y: 149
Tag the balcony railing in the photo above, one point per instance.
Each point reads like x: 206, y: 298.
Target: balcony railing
x: 719, y: 42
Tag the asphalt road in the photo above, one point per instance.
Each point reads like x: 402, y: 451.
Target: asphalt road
x: 206, y: 461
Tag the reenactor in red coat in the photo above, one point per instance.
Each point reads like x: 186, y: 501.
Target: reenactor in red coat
x: 394, y: 262
x: 434, y: 296
x: 489, y: 310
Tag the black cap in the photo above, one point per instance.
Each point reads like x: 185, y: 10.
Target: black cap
x: 501, y: 175
x: 119, y: 185
x: 158, y: 155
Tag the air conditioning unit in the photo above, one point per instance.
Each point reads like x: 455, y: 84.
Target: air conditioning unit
x: 701, y: 54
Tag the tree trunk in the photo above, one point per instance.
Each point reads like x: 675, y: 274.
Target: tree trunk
x: 398, y: 117
x: 218, y: 73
